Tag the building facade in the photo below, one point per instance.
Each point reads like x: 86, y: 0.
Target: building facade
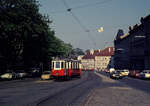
x: 103, y: 60
x: 132, y: 51
x: 121, y: 57
x: 87, y: 61
x: 137, y: 46
x: 146, y: 24
x: 98, y: 59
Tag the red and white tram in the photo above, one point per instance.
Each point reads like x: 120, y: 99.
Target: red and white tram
x: 65, y: 69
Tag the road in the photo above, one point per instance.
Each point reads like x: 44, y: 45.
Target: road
x: 92, y: 89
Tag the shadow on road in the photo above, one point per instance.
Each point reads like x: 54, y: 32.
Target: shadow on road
x: 139, y: 84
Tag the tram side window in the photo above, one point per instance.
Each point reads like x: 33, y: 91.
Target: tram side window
x: 65, y: 65
x: 68, y: 65
x: 62, y: 64
x: 74, y: 65
x: 52, y: 65
x: 71, y: 65
x: 57, y: 64
x: 77, y: 65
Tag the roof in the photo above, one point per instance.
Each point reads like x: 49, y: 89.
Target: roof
x: 146, y: 18
x: 123, y: 36
x: 88, y: 56
x: 109, y: 51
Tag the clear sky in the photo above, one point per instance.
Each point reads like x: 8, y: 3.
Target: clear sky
x: 92, y: 14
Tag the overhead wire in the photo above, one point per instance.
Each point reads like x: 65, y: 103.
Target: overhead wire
x: 92, y: 4
x: 78, y: 21
x: 83, y: 6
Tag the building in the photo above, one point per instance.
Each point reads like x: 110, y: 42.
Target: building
x: 80, y: 57
x: 146, y: 24
x: 87, y: 61
x: 102, y: 59
x: 121, y: 55
x: 137, y: 46
x: 98, y: 59
x: 132, y: 49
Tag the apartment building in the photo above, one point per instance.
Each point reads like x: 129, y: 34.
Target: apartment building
x: 98, y: 59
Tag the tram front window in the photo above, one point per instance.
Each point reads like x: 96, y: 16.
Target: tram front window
x: 57, y: 64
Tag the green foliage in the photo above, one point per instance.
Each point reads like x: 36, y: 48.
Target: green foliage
x: 23, y: 32
x: 25, y: 35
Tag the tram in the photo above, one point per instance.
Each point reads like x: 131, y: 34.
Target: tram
x: 65, y: 69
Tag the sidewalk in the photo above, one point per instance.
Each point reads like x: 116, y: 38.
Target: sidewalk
x: 115, y: 93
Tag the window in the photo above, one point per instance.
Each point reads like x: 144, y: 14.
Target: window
x: 71, y: 65
x: 68, y: 65
x: 77, y: 65
x: 52, y: 65
x: 57, y: 64
x: 62, y: 64
x: 65, y: 65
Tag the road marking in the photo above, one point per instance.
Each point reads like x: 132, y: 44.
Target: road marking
x: 43, y: 81
x: 121, y: 88
x: 104, y: 78
x: 90, y: 96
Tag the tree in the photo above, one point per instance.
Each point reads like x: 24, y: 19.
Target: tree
x: 23, y: 32
x: 26, y: 37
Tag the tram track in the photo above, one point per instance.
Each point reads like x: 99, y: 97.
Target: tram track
x: 83, y: 84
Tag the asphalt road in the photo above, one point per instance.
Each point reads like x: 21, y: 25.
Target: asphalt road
x: 92, y: 89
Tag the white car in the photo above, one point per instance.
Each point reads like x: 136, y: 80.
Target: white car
x: 145, y: 74
x: 116, y: 75
x: 125, y: 72
x: 46, y: 75
x: 111, y: 70
x: 8, y: 76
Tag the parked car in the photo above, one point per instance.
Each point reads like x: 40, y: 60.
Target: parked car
x: 8, y: 76
x: 145, y: 74
x: 21, y: 74
x: 46, y: 75
x: 116, y: 75
x: 137, y: 75
x: 34, y: 72
x: 125, y: 72
x: 111, y: 70
x: 134, y: 73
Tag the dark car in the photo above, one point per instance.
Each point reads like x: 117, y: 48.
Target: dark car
x: 134, y: 73
x: 116, y: 75
x: 21, y: 74
x: 34, y: 72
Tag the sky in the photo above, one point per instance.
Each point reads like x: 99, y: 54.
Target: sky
x: 79, y: 27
